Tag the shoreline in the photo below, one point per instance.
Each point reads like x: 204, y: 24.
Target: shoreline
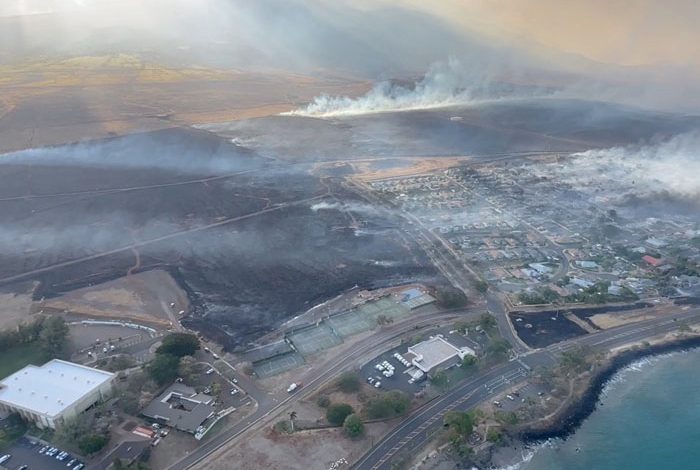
x: 574, y: 414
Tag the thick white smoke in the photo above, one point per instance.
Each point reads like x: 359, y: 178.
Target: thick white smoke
x: 671, y: 166
x: 349, y: 207
x: 445, y: 84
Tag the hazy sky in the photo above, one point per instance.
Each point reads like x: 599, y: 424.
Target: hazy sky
x: 648, y: 49
x: 626, y: 32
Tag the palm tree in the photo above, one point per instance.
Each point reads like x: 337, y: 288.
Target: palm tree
x: 292, y: 417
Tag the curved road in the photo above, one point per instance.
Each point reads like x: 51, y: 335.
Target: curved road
x: 415, y: 431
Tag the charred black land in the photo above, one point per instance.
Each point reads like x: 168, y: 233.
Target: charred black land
x: 241, y: 215
x: 253, y: 242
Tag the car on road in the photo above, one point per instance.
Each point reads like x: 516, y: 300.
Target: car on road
x: 215, y: 356
x: 210, y: 371
x: 5, y: 458
x: 24, y: 467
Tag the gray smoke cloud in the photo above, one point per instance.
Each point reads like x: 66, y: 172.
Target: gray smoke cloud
x: 670, y: 166
x: 445, y: 84
x: 163, y: 150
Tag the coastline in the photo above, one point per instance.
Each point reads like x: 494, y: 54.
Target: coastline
x: 525, y: 442
x: 576, y: 412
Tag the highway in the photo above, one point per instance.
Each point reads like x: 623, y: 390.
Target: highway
x: 268, y: 408
x: 418, y: 428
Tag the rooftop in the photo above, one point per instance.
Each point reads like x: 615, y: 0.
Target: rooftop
x: 181, y: 407
x: 51, y: 388
x: 435, y: 351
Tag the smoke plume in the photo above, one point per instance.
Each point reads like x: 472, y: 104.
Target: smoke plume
x: 666, y: 169
x: 445, y: 84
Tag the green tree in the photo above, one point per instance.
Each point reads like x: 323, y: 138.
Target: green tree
x: 353, y: 426
x: 487, y: 322
x: 29, y: 332
x: 498, y: 349
x: 461, y: 423
x: 163, y: 368
x: 336, y: 413
x: 449, y: 297
x: 468, y: 361
x: 92, y: 443
x: 494, y: 435
x: 440, y: 379
x: 387, y: 405
x: 179, y: 345
x: 54, y: 337
x: 323, y: 401
x: 186, y: 368
x: 349, y: 382
x: 574, y: 360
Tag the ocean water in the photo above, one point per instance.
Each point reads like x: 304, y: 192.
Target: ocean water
x: 648, y: 418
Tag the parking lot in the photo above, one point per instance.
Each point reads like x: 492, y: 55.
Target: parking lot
x: 25, y: 453
x: 226, y: 399
x: 399, y: 381
x: 518, y: 397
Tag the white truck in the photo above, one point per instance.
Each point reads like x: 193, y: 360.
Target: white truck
x: 293, y: 387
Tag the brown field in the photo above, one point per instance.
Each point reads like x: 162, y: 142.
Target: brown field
x: 144, y: 297
x: 59, y: 101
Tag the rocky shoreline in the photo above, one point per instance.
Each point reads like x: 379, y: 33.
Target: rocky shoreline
x: 577, y: 411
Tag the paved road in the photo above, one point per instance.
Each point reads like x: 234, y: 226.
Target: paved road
x: 269, y: 407
x: 414, y: 432
x: 495, y: 306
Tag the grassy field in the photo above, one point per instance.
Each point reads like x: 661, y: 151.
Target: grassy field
x: 15, y: 358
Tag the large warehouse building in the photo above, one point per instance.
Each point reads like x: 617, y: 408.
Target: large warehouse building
x: 53, y: 393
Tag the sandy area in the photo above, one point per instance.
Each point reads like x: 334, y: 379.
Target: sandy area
x: 143, y: 297
x: 317, y: 449
x: 366, y: 170
x: 611, y: 320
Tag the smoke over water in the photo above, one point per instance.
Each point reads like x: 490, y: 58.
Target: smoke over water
x: 444, y: 85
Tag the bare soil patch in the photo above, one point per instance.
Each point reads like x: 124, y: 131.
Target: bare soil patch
x: 143, y: 297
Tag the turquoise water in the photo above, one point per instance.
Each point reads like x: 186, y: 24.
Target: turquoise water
x: 649, y: 419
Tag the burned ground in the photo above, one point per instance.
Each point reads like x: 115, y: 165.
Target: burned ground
x: 268, y: 250
x: 248, y: 222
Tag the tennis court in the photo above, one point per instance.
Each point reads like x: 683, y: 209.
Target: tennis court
x: 277, y: 364
x: 351, y: 323
x: 312, y: 339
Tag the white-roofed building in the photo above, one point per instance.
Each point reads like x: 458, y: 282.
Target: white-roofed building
x: 435, y: 354
x: 50, y: 394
